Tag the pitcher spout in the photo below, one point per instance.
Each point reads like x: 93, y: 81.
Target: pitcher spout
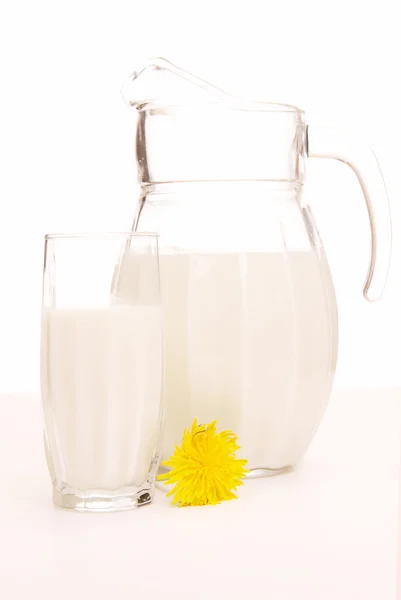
x: 161, y: 81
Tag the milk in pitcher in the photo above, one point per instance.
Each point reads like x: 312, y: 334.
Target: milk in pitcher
x: 250, y: 340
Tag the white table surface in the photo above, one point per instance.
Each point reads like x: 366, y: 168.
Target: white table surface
x: 326, y: 531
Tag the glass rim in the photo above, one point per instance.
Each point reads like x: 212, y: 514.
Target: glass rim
x: 101, y: 234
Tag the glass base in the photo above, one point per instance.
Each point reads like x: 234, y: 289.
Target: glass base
x: 101, y: 500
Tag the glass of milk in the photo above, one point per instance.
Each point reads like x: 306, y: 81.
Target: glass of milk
x: 101, y: 369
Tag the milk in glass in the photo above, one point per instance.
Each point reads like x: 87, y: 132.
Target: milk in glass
x: 101, y: 388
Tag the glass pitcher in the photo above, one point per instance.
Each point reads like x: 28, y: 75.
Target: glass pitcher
x: 250, y: 317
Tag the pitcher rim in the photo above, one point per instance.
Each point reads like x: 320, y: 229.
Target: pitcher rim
x: 249, y: 106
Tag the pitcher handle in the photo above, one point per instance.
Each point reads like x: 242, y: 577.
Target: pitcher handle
x: 327, y: 142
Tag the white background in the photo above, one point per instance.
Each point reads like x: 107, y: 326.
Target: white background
x: 66, y: 137
x: 326, y: 531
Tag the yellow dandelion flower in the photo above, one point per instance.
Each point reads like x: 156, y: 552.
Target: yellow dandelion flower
x: 204, y: 468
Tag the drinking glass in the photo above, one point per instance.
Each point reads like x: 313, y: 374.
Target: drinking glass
x: 101, y: 369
